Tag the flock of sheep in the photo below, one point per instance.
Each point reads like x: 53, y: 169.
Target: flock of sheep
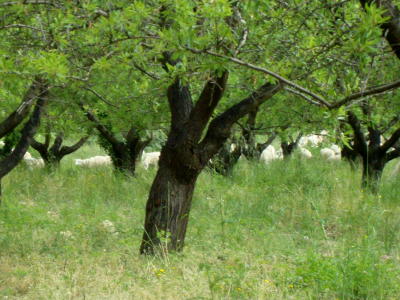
x: 147, y: 159
x: 331, y: 153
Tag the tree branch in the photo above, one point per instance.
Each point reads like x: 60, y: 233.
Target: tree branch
x: 38, y: 2
x: 65, y: 150
x: 9, y: 162
x: 359, y: 139
x: 99, y: 96
x: 16, y: 117
x: 21, y: 26
x: 265, y: 71
x: 220, y: 127
x: 391, y: 141
x: 205, y: 105
x: 392, y: 155
x: 368, y: 92
x: 100, y: 127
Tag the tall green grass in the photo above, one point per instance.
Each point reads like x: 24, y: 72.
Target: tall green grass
x: 291, y: 230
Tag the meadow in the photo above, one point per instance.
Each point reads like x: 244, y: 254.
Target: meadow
x: 290, y: 230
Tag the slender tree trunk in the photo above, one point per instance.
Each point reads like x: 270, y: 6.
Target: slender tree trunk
x: 350, y: 155
x: 250, y: 149
x: 372, y: 172
x: 287, y: 149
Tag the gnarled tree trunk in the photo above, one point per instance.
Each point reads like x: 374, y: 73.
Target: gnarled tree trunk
x: 17, y: 116
x: 52, y: 155
x: 373, y: 166
x: 374, y: 155
x: 186, y: 154
x: 288, y: 147
x: 124, y: 154
x: 28, y: 131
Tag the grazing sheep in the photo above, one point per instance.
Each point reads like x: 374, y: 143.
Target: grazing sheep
x: 27, y: 155
x: 232, y: 147
x: 313, y: 139
x: 150, y: 158
x: 329, y: 154
x: 94, y: 161
x: 268, y: 154
x: 2, y: 144
x: 335, y: 149
x: 305, y: 153
x: 34, y: 162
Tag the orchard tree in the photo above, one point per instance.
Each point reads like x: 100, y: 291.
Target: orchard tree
x: 251, y: 37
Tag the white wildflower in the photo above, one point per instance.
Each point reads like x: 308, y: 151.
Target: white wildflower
x: 53, y: 214
x: 109, y: 226
x: 66, y: 234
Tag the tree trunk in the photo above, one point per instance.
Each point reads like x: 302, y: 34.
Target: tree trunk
x: 287, y: 149
x: 250, y: 149
x: 11, y: 161
x: 124, y: 154
x: 53, y: 155
x: 350, y: 155
x: 372, y: 172
x: 167, y: 210
x: 185, y: 155
x: 122, y: 159
x: 16, y: 117
x: 224, y: 161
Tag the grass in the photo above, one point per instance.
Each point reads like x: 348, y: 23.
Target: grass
x: 289, y: 230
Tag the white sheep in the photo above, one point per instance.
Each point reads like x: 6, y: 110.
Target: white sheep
x: 329, y: 154
x: 268, y: 154
x: 27, y: 155
x: 34, y: 162
x: 150, y: 158
x: 94, y: 161
x: 305, y: 153
x: 2, y: 144
x: 335, y: 149
x: 313, y: 139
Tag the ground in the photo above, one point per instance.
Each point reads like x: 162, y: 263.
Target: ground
x: 289, y: 230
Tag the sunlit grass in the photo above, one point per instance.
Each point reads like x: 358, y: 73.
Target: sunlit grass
x: 289, y: 230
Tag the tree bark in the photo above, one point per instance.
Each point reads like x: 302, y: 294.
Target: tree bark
x: 185, y: 155
x: 124, y: 154
x: 374, y: 155
x: 289, y: 147
x: 168, y: 206
x: 373, y: 166
x: 17, y: 116
x: 224, y: 161
x: 11, y: 161
x: 52, y: 155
